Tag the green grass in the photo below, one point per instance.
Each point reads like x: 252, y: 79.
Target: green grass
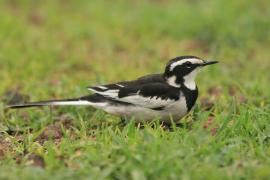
x: 54, y: 49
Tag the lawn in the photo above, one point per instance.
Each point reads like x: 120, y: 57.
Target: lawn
x: 55, y: 49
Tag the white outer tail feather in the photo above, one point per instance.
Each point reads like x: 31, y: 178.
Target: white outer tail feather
x: 77, y: 103
x: 60, y: 103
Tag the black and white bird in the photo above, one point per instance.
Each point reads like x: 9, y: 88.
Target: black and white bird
x: 170, y: 95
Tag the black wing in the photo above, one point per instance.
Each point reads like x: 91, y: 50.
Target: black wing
x: 148, y: 91
x: 152, y: 78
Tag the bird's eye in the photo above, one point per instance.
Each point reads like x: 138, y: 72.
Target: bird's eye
x: 188, y: 64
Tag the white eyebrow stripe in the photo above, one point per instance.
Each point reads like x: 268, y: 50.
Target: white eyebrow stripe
x: 180, y: 62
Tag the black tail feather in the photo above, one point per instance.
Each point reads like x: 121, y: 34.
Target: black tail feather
x: 41, y: 103
x: 85, y: 100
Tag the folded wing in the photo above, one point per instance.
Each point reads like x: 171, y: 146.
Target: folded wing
x: 153, y: 95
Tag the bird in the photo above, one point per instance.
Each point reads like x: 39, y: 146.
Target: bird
x: 167, y: 96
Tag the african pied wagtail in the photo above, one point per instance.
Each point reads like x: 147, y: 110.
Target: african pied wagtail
x: 164, y: 96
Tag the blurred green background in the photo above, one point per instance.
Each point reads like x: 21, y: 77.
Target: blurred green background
x: 54, y: 49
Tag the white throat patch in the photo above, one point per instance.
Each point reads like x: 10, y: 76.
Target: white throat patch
x: 189, y: 80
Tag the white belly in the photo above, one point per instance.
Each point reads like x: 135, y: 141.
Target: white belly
x: 174, y: 111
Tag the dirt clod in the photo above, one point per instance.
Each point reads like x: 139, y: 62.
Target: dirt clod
x: 36, y: 161
x: 52, y: 132
x: 65, y: 120
x: 241, y: 98
x: 210, y: 125
x: 36, y: 18
x: 207, y: 104
x: 5, y: 146
x: 215, y: 91
x: 14, y: 97
x: 209, y: 122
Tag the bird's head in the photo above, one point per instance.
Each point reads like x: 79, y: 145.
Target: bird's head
x: 182, y: 70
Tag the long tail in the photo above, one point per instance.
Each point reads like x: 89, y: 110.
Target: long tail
x: 92, y: 100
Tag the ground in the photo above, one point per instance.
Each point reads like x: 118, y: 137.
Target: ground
x: 54, y: 49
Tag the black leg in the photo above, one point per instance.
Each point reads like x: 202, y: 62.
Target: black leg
x: 123, y: 121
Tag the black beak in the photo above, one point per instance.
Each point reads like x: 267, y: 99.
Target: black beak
x: 206, y: 63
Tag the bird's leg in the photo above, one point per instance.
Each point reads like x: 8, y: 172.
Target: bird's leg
x: 123, y: 121
x: 166, y: 126
x: 170, y: 127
